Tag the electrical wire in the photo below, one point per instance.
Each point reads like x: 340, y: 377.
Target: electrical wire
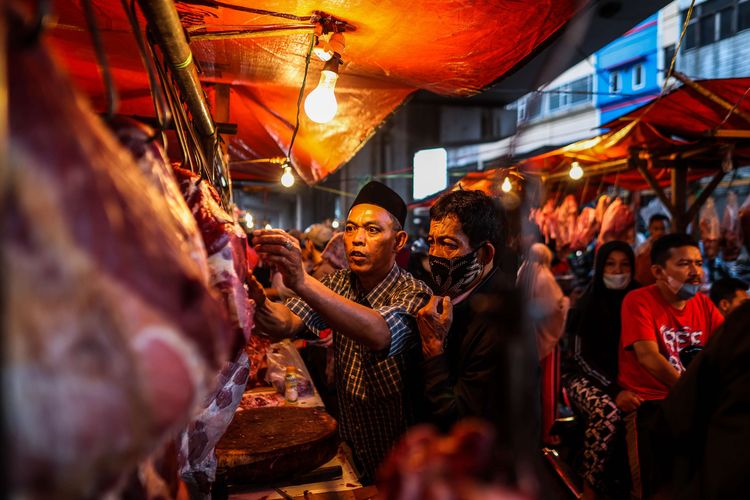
x: 299, y: 98
x: 161, y: 108
x: 101, y: 58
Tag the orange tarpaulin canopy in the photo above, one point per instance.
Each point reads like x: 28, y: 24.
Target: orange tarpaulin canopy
x: 684, y: 124
x: 392, y: 49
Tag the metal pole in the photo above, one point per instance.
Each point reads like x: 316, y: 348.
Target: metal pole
x: 163, y: 19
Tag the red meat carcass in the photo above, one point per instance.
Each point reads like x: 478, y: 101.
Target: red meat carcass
x: 111, y: 334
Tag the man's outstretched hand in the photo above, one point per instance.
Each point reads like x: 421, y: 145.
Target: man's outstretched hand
x: 434, y: 320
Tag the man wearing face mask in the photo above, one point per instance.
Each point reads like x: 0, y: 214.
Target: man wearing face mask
x: 661, y: 324
x: 460, y: 355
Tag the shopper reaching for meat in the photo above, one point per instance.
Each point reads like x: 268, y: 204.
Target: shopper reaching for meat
x: 371, y: 308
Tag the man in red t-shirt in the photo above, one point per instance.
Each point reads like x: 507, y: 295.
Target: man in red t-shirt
x: 661, y: 325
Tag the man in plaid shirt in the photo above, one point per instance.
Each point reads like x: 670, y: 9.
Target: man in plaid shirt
x: 371, y: 308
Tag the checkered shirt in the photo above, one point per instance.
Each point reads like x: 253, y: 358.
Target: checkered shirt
x: 371, y: 384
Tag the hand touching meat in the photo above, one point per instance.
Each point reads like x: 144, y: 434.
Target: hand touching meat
x: 434, y: 320
x: 282, y: 250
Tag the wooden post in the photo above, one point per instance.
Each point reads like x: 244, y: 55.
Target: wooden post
x: 635, y: 162
x: 679, y: 197
x: 698, y: 203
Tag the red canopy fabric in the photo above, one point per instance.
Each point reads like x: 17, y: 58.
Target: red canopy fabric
x: 447, y: 47
x: 682, y: 123
x: 686, y: 113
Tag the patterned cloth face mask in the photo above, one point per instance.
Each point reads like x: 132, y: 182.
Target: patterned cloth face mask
x: 453, y: 277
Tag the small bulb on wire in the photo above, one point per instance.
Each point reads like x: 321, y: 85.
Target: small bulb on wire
x: 249, y: 222
x: 507, y: 186
x: 320, y: 104
x: 287, y: 178
x: 335, y: 224
x: 576, y: 172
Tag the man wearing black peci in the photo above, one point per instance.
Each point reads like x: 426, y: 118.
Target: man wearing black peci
x: 371, y: 308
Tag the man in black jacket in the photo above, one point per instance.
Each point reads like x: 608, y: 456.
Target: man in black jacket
x: 460, y: 347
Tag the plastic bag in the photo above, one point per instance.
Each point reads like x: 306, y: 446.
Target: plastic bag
x: 279, y: 356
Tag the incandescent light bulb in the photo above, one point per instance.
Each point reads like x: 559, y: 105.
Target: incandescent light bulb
x: 320, y: 104
x: 576, y: 172
x: 507, y: 186
x: 287, y: 178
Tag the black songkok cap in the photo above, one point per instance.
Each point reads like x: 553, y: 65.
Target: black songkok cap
x: 377, y: 193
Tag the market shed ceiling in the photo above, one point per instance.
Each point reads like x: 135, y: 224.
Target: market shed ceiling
x: 393, y: 48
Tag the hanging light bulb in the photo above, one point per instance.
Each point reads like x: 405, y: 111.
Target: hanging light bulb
x: 576, y: 172
x: 320, y: 104
x: 507, y: 186
x: 287, y: 178
x: 335, y: 224
x: 249, y: 222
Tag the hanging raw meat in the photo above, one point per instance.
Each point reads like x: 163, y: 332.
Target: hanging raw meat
x: 110, y: 332
x: 731, y: 238
x: 709, y: 221
x: 586, y: 229
x: 225, y: 242
x: 617, y: 221
x: 566, y: 222
x: 152, y: 161
x: 545, y: 219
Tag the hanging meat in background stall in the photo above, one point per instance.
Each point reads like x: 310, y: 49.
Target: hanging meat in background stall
x: 566, y: 222
x: 545, y: 218
x: 225, y: 243
x: 586, y: 229
x: 618, y: 223
x: 710, y: 230
x: 111, y: 337
x: 138, y: 138
x: 731, y: 237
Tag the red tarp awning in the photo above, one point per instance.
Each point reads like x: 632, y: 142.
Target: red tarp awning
x: 450, y: 48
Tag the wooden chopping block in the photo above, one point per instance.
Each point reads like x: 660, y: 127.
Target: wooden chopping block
x: 264, y: 445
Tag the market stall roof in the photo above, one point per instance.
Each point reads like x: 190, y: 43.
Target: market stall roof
x: 694, y: 124
x: 392, y: 50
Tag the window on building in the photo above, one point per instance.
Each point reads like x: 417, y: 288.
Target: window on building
x: 715, y: 20
x: 639, y: 76
x: 522, y: 109
x: 668, y: 56
x: 691, y: 35
x: 726, y: 24
x: 707, y: 27
x: 581, y: 90
x: 534, y: 105
x: 615, y: 82
x: 743, y: 16
x: 556, y: 99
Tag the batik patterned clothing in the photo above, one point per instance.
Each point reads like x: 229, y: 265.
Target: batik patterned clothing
x: 374, y: 402
x: 604, y: 428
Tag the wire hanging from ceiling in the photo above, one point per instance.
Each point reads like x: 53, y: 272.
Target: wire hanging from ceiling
x: 299, y: 98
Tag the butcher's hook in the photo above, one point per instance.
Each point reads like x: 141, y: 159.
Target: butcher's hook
x: 28, y: 34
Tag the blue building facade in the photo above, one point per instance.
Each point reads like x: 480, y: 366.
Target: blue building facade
x: 627, y: 71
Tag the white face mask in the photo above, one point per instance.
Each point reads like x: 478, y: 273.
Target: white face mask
x: 616, y: 281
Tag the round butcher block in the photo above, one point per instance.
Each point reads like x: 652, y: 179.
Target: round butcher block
x: 264, y: 445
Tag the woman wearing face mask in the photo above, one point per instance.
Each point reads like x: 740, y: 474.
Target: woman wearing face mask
x: 591, y: 378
